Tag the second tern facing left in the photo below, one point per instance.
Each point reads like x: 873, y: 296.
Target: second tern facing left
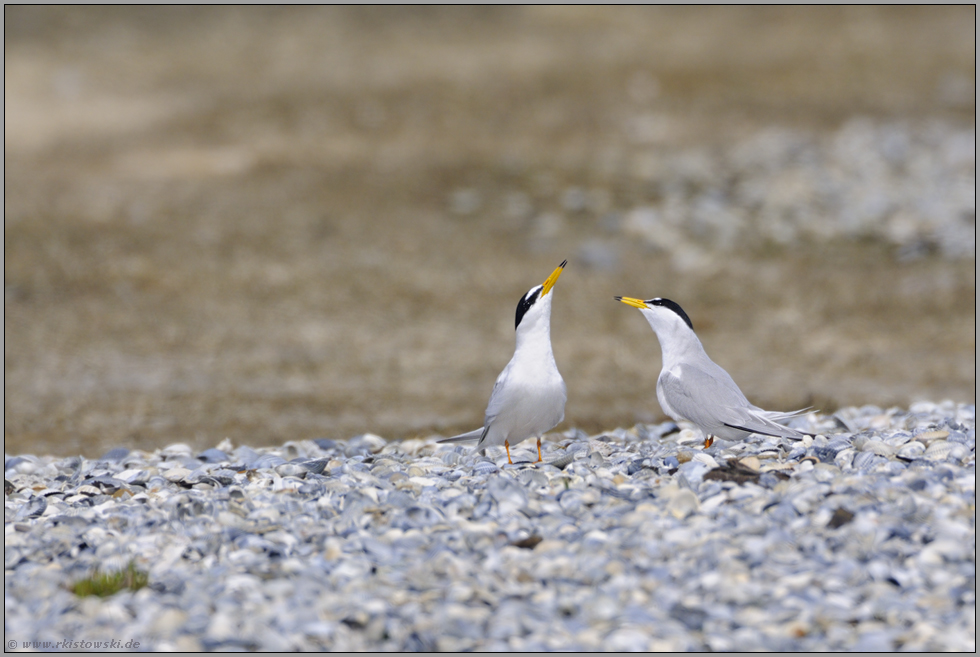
x: 693, y: 387
x: 529, y: 396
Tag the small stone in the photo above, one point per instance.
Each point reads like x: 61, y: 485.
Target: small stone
x: 840, y: 518
x: 683, y: 503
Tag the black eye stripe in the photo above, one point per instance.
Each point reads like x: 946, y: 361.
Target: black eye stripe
x: 525, y: 304
x: 667, y: 303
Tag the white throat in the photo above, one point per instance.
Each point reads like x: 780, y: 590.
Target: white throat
x: 677, y: 341
x: 534, y: 331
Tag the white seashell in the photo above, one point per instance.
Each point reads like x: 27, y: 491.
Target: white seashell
x: 564, y: 460
x: 600, y: 446
x: 707, y: 459
x: 688, y: 437
x: 878, y: 448
x: 509, y: 495
x: 596, y: 459
x: 175, y: 474
x: 939, y: 450
x: 928, y: 437
x: 452, y: 458
x: 533, y: 477
x: 911, y: 450
x: 369, y: 441
x: 959, y: 451
x: 291, y: 470
x: 845, y: 458
x: 863, y: 460
x: 683, y: 502
x: 898, y: 439
x: 485, y: 468
x: 177, y: 449
x: 825, y: 472
x: 33, y: 508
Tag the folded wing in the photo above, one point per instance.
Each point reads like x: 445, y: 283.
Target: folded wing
x: 713, y: 401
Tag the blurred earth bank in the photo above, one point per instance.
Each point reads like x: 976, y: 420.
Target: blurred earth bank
x: 273, y: 224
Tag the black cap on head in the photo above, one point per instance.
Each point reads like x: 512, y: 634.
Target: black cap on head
x: 667, y: 303
x: 525, y: 304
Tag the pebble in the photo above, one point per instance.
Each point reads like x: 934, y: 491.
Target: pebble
x: 858, y: 539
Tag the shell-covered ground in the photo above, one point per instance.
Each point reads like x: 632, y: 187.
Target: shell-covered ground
x: 860, y: 538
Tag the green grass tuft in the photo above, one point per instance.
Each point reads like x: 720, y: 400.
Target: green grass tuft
x: 104, y: 584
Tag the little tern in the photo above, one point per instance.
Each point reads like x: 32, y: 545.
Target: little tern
x: 529, y: 396
x: 693, y: 387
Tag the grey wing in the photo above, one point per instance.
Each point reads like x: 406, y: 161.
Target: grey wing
x: 497, y: 397
x: 700, y: 397
x: 712, y: 399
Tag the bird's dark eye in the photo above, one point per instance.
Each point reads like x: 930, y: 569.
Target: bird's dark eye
x: 672, y: 305
x: 525, y: 304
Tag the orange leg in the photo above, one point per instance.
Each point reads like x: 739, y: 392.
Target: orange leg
x: 539, y: 451
x: 507, y: 447
x: 709, y: 441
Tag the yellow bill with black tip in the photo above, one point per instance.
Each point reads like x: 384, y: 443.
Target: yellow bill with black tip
x: 636, y: 303
x: 551, y: 280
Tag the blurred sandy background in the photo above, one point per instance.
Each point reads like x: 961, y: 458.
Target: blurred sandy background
x: 281, y: 224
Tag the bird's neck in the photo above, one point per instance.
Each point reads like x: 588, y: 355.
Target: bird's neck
x: 534, y: 342
x: 678, y: 344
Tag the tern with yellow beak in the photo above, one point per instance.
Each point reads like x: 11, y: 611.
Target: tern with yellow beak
x: 693, y: 387
x: 529, y: 396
